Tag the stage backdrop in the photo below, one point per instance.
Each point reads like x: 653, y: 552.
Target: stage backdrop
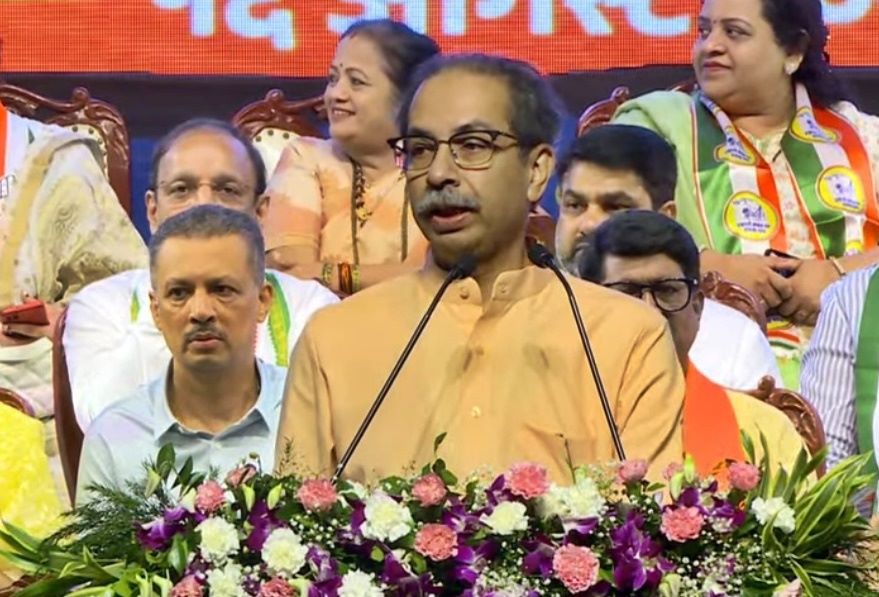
x: 295, y: 38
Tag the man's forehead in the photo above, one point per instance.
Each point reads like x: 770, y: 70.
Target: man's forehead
x: 467, y: 100
x: 646, y: 268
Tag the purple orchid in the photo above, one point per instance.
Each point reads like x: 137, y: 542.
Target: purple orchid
x: 264, y: 522
x: 637, y: 558
x: 538, y: 560
x: 157, y: 535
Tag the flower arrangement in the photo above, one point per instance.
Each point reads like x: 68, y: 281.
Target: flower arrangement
x: 608, y: 532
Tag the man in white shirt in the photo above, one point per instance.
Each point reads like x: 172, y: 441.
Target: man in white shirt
x: 111, y: 340
x: 617, y: 167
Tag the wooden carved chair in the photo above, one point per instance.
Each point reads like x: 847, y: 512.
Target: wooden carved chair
x: 94, y: 118
x: 801, y: 413
x: 272, y: 121
x: 602, y: 111
x: 70, y: 436
x: 715, y: 287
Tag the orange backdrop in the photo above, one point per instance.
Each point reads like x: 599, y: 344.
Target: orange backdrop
x: 296, y: 37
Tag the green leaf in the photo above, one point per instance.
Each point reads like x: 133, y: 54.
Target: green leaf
x: 51, y: 587
x: 806, y: 582
x: 165, y: 460
x: 178, y: 554
x: 249, y: 496
x: 14, y: 535
x: 185, y: 474
x: 153, y: 482
x: 437, y: 442
x: 377, y: 555
x: 275, y: 495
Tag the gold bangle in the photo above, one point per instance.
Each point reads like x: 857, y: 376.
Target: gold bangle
x: 838, y: 266
x: 326, y: 274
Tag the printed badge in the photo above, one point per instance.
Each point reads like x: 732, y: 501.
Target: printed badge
x: 750, y: 217
x: 854, y: 247
x: 806, y: 128
x: 840, y: 188
x: 733, y: 150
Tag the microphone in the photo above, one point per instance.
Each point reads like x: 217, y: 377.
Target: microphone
x: 541, y: 257
x: 462, y: 269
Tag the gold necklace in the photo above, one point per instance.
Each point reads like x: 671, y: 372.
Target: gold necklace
x: 360, y: 214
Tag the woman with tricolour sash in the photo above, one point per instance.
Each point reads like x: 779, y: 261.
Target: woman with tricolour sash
x: 777, y: 171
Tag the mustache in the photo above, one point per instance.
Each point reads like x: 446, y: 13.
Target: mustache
x: 447, y: 198
x: 199, y: 332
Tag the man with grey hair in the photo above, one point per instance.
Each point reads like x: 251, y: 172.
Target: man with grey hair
x: 216, y: 402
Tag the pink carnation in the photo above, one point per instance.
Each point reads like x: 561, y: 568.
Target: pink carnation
x: 277, y: 587
x: 682, y: 524
x: 188, y: 587
x: 240, y: 475
x: 436, y: 541
x: 210, y: 497
x: 317, y: 494
x: 430, y: 490
x: 744, y: 476
x: 632, y: 471
x: 527, y: 480
x: 577, y: 567
x: 671, y: 470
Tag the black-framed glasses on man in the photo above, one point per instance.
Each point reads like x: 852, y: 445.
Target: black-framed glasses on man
x: 470, y: 149
x: 669, y: 295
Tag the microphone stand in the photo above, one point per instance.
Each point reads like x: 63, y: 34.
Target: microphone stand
x: 462, y: 269
x: 541, y: 257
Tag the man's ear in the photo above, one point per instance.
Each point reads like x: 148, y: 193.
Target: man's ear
x: 542, y: 162
x: 669, y: 209
x: 261, y: 208
x: 154, y: 309
x: 698, y: 301
x: 266, y: 295
x: 152, y: 208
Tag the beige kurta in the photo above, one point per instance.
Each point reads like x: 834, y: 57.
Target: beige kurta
x: 506, y: 382
x: 62, y: 227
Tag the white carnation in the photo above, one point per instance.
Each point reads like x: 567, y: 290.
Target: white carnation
x: 507, y: 518
x: 219, y: 539
x: 226, y: 582
x: 581, y: 500
x: 283, y: 552
x: 358, y: 584
x: 764, y: 510
x: 386, y: 520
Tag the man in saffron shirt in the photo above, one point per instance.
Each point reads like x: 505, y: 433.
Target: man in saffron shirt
x: 648, y: 255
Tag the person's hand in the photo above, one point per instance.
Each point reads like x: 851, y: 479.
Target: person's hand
x: 309, y: 271
x: 809, y: 280
x: 755, y: 272
x: 16, y: 334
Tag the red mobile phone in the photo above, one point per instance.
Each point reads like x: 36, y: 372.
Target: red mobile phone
x: 32, y: 312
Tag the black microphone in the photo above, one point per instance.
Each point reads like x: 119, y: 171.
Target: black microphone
x: 541, y: 257
x: 462, y: 269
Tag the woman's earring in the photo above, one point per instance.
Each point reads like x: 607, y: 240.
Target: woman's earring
x: 790, y: 68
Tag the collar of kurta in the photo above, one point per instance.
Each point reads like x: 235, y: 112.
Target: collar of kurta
x: 164, y: 420
x: 509, y: 286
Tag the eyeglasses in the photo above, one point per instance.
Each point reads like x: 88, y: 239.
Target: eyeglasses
x: 669, y: 295
x: 470, y: 149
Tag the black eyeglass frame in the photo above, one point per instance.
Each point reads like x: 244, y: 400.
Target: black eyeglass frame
x: 397, y: 142
x: 691, y: 283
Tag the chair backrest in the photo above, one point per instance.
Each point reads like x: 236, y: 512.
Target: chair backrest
x: 601, y: 112
x: 801, y: 413
x: 272, y: 121
x: 82, y: 114
x: 11, y: 398
x: 67, y: 430
x: 715, y: 287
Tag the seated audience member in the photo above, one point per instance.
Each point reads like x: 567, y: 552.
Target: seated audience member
x: 500, y: 367
x: 338, y: 212
x: 618, y: 167
x: 27, y: 491
x: 841, y: 366
x: 111, y: 339
x: 650, y: 256
x: 61, y: 227
x: 216, y: 401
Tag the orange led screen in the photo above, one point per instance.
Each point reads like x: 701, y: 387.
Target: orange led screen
x: 296, y: 37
